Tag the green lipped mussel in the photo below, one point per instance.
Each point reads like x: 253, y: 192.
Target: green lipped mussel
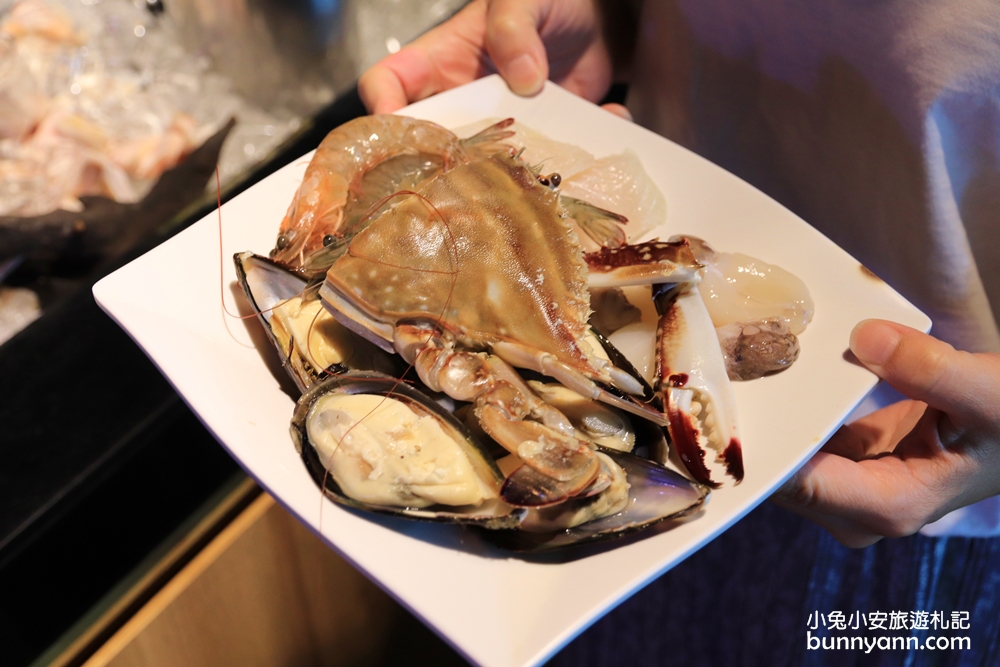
x: 372, y: 442
x: 310, y: 342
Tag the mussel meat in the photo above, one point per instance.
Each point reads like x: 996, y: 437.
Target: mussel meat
x: 374, y: 443
x: 310, y: 342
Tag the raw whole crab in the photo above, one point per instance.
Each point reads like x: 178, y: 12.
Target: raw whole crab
x: 480, y: 272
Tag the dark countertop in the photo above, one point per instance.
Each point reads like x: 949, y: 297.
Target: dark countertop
x: 100, y: 460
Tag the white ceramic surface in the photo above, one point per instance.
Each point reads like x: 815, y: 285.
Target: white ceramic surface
x: 500, y: 610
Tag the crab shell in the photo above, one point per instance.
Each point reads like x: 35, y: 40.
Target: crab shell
x: 486, y: 253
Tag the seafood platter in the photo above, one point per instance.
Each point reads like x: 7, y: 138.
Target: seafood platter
x: 489, y: 362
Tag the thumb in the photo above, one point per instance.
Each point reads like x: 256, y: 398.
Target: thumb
x: 514, y: 45
x: 926, y: 369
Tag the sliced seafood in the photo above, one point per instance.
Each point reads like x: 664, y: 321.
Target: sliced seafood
x: 616, y: 182
x: 374, y: 443
x: 636, y: 342
x: 550, y: 154
x: 619, y: 183
x: 738, y: 288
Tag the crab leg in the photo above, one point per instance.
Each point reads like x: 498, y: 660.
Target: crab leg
x: 555, y: 459
x: 691, y: 377
x: 642, y: 264
x: 547, y: 364
x: 581, y: 384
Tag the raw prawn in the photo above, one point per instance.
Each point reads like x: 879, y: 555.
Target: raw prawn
x: 358, y: 164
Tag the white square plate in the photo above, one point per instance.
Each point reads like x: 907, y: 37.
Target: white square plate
x: 500, y: 610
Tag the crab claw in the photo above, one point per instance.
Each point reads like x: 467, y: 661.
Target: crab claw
x: 642, y: 264
x: 691, y: 376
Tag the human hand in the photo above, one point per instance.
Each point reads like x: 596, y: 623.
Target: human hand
x: 526, y: 41
x: 906, y: 465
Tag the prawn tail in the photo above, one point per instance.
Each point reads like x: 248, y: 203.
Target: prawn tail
x: 489, y: 141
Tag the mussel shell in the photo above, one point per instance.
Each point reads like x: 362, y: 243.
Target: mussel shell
x: 619, y: 360
x: 656, y: 494
x: 495, y: 514
x: 647, y: 407
x: 267, y: 284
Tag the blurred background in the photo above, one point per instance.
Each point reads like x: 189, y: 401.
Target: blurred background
x: 127, y: 534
